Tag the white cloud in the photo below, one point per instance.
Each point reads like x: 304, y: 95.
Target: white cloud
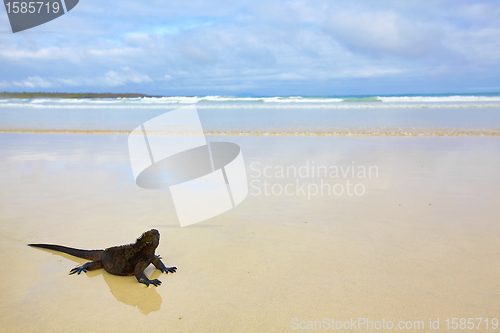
x: 370, y: 72
x: 113, y: 79
x: 109, y: 79
x: 32, y: 82
x: 69, y: 53
x: 19, y: 53
x: 115, y: 52
x: 12, y: 53
x: 289, y: 76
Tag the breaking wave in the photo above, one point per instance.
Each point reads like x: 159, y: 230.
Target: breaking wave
x: 293, y: 102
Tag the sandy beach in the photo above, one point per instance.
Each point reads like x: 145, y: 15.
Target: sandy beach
x: 351, y: 150
x: 420, y: 243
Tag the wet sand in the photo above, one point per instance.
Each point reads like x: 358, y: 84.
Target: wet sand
x: 422, y: 242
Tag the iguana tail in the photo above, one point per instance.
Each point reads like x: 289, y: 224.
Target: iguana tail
x: 85, y: 254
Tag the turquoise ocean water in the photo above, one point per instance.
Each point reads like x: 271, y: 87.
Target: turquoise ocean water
x: 446, y: 115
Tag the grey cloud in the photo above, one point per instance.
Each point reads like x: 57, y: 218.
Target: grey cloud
x: 196, y: 54
x: 382, y: 33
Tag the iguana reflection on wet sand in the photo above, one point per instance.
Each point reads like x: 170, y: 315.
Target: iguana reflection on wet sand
x: 131, y: 259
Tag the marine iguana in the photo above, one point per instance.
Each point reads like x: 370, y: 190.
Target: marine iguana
x: 129, y: 259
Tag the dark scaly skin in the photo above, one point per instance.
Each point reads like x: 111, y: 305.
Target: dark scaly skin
x: 129, y: 259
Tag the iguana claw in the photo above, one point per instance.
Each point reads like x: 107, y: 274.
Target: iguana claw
x: 78, y: 270
x: 169, y: 269
x: 147, y: 282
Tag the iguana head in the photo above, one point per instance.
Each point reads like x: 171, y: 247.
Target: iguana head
x: 149, y: 239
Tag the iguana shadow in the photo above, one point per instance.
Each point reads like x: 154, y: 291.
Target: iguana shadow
x: 124, y: 288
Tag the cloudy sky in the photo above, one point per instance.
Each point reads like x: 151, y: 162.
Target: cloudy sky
x: 266, y: 48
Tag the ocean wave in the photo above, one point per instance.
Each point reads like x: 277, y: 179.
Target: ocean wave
x: 439, y: 99
x: 440, y: 132
x: 247, y: 106
x: 291, y: 102
x: 225, y: 99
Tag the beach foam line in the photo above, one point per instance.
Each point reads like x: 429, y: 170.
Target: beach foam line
x: 443, y: 132
x: 259, y: 100
x: 249, y: 106
x: 438, y: 99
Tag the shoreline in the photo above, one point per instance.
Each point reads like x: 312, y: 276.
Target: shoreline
x: 402, y: 132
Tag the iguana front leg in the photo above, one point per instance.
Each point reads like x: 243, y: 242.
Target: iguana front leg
x: 141, y: 277
x: 158, y: 264
x: 90, y: 266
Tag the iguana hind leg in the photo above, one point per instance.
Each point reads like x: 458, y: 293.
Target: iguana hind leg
x: 90, y: 266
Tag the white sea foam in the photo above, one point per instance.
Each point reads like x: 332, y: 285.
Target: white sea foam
x: 216, y: 102
x: 439, y: 99
x: 292, y: 102
x: 256, y: 106
x: 291, y: 99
